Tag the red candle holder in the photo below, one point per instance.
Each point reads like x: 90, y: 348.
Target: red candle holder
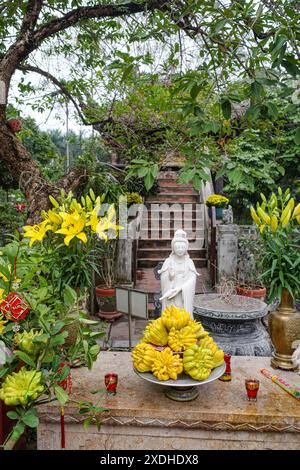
x: 111, y: 382
x: 227, y: 374
x: 252, y: 386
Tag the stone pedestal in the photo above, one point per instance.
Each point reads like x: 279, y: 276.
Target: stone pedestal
x: 227, y: 239
x: 141, y: 417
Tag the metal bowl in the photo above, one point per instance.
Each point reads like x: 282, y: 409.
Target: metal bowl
x: 184, y: 388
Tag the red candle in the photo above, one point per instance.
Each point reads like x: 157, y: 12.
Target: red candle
x: 111, y: 381
x: 227, y: 374
x: 252, y: 386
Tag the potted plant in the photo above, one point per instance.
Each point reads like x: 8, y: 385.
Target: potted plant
x: 248, y: 271
x: 219, y: 202
x: 278, y: 220
x: 34, y: 316
x: 105, y: 291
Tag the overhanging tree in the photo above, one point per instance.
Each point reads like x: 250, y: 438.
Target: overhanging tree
x: 244, y: 39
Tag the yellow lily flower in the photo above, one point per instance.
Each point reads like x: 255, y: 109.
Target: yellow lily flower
x: 54, y: 218
x: 37, y: 232
x: 296, y: 211
x: 72, y: 227
x: 106, y: 223
x: 94, y: 219
x: 1, y: 295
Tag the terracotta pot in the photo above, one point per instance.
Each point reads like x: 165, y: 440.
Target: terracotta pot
x: 258, y: 292
x: 106, y: 298
x: 284, y: 326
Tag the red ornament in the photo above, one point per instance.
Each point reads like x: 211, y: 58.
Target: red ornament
x: 15, y: 125
x: 111, y: 381
x: 66, y: 384
x: 14, y: 307
x: 252, y: 386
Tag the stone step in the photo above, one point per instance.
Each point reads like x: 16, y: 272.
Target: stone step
x: 174, y: 207
x: 152, y: 262
x: 171, y: 190
x: 163, y: 243
x: 163, y: 253
x: 168, y: 234
x: 171, y: 198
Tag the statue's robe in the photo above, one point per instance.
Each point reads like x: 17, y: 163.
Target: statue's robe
x: 174, y: 275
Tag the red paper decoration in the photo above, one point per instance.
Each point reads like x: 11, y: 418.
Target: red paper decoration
x: 14, y: 307
x: 66, y: 384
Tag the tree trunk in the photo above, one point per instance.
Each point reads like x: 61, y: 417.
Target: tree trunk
x: 28, y: 175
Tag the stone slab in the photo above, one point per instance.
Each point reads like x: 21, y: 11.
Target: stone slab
x: 141, y: 417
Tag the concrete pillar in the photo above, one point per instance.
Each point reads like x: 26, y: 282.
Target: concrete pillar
x: 227, y: 240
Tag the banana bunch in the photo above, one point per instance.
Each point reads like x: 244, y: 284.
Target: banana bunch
x: 198, y: 362
x: 156, y: 333
x: 180, y: 340
x: 218, y: 354
x: 174, y: 317
x: 167, y: 365
x: 278, y: 212
x: 21, y: 387
x: 143, y: 356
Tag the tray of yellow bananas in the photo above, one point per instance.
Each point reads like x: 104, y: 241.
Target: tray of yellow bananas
x: 177, y: 352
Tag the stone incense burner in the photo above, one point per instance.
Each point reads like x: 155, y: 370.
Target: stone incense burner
x: 235, y: 323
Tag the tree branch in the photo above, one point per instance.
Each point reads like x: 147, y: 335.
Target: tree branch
x: 90, y: 12
x: 65, y: 91
x: 31, y: 16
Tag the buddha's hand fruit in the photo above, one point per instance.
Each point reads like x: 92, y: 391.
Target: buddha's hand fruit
x: 180, y: 340
x: 198, y: 362
x: 143, y: 356
x: 174, y: 317
x: 197, y: 329
x: 156, y: 333
x: 218, y: 354
x: 167, y: 365
x: 25, y: 341
x: 21, y: 387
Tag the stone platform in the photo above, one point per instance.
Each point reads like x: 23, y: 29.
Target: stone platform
x: 141, y: 417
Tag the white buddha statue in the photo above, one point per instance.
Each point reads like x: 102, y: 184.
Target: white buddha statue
x: 178, y: 276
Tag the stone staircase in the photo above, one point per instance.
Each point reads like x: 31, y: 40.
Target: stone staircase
x: 175, y: 206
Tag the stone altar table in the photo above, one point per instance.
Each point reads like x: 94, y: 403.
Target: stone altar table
x: 141, y: 417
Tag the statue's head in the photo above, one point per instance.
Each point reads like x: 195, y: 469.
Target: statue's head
x: 180, y: 243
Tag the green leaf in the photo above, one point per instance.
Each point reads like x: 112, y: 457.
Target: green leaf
x: 70, y: 296
x: 61, y: 395
x: 3, y: 372
x: 12, y: 415
x: 31, y: 419
x: 256, y: 89
x: 219, y: 26
x: 25, y: 358
x: 87, y: 422
x: 272, y: 109
x: 297, y: 136
x: 226, y: 109
x: 149, y: 181
x: 291, y: 68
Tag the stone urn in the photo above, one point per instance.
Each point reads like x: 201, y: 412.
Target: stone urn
x: 235, y: 323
